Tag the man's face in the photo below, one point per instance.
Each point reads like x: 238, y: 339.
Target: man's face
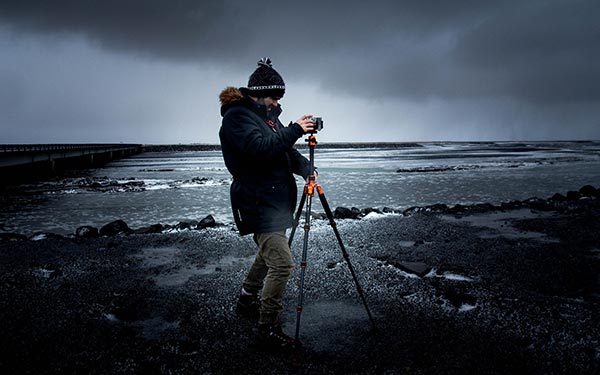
x: 271, y: 102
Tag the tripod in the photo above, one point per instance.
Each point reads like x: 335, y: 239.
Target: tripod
x: 307, y: 195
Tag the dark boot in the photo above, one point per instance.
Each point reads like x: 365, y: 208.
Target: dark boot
x: 271, y: 336
x: 248, y: 306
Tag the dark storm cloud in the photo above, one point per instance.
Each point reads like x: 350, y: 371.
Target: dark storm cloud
x: 538, y: 51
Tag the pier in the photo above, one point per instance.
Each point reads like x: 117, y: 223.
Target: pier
x: 26, y: 162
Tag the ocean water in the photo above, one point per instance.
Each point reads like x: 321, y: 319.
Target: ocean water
x: 169, y: 187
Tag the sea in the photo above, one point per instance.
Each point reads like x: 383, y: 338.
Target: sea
x: 171, y: 187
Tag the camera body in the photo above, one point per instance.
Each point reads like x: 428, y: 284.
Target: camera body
x: 318, y: 124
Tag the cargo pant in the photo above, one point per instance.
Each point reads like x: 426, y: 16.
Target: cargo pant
x: 270, y: 271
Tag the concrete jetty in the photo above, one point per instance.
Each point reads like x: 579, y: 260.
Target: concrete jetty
x: 26, y: 162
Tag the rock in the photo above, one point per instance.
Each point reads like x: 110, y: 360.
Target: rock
x: 588, y: 191
x: 439, y: 207
x: 409, y: 211
x: 558, y: 198
x: 114, y: 228
x: 573, y: 195
x: 184, y: 225
x: 538, y: 203
x: 458, y: 208
x: 511, y: 205
x: 86, y: 231
x: 346, y: 213
x: 485, y: 207
x: 9, y: 237
x: 154, y: 228
x: 368, y: 210
x: 207, y: 222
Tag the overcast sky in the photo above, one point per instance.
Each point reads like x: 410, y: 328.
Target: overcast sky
x: 150, y: 71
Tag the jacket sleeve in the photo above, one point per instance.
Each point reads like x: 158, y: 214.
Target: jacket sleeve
x: 244, y: 133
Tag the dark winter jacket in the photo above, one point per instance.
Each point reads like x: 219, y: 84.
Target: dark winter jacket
x: 258, y: 152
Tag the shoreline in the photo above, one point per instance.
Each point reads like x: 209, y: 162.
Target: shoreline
x: 575, y: 200
x: 511, y: 290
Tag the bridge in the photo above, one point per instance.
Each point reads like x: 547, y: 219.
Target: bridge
x: 24, y: 162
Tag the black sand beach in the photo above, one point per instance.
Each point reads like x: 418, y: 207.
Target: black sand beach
x: 511, y: 289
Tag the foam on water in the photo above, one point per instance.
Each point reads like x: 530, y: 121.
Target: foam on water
x: 173, y: 186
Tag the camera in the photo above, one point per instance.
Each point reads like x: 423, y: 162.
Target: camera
x: 318, y: 124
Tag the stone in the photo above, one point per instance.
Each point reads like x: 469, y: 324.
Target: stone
x: 588, y: 191
x: 114, y: 228
x: 346, y: 213
x: 154, y: 228
x: 573, y: 195
x: 86, y: 231
x: 558, y: 197
x: 207, y: 222
x: 184, y: 225
x: 368, y: 210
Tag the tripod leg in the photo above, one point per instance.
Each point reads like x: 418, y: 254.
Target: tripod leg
x: 344, y: 252
x: 297, y: 218
x: 303, y: 263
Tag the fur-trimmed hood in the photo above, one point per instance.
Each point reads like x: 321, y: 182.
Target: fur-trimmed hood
x: 229, y: 97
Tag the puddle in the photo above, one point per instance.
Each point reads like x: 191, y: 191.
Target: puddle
x: 324, y: 326
x: 150, y: 329
x: 466, y: 307
x: 225, y: 262
x: 157, y: 256
x: 179, y: 274
x: 500, y: 224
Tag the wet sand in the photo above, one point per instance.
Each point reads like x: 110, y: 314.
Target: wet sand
x: 503, y: 291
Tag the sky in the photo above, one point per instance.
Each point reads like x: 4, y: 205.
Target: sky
x: 150, y: 71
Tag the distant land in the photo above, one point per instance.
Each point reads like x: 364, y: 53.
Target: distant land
x: 214, y: 147
x: 339, y: 145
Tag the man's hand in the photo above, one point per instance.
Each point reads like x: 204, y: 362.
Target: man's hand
x: 306, y: 123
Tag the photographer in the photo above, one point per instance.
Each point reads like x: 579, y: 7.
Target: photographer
x: 258, y: 152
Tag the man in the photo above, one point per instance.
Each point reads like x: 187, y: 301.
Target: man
x: 258, y: 152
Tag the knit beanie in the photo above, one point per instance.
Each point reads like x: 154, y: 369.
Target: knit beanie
x: 265, y: 81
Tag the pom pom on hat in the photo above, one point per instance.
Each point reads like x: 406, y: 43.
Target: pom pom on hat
x: 265, y: 81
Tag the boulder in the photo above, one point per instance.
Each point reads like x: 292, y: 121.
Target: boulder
x: 588, y: 191
x: 438, y: 207
x: 558, y: 197
x: 511, y: 205
x: 346, y: 213
x: 207, y: 222
x: 114, y: 228
x: 86, y: 231
x: 538, y: 203
x: 573, y: 195
x: 368, y: 210
x: 182, y: 225
x: 154, y: 228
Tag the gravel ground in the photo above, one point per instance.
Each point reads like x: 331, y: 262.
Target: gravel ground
x: 512, y: 291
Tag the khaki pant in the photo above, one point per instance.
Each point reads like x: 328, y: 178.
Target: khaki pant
x: 270, y: 271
